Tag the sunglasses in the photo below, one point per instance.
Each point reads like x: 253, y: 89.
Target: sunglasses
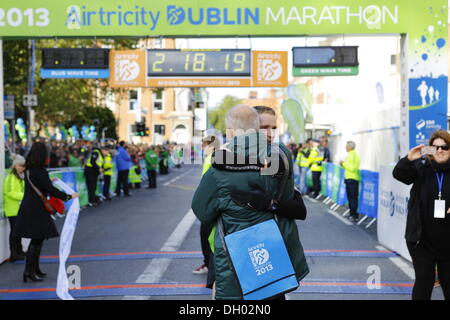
x: 445, y: 147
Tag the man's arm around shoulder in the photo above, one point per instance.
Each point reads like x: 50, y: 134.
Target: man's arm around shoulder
x: 205, y: 202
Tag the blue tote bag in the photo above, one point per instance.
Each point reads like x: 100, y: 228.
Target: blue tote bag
x: 260, y: 260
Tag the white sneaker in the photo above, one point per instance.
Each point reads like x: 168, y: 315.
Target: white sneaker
x: 203, y: 269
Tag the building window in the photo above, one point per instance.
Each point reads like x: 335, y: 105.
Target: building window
x: 158, y: 97
x: 133, y: 100
x: 159, y: 43
x: 393, y: 59
x: 160, y: 129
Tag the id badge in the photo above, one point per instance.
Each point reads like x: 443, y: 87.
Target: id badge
x: 439, y: 209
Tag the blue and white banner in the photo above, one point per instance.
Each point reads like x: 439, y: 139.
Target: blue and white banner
x: 329, y: 179
x: 368, y: 195
x: 342, y: 195
x: 65, y: 243
x: 392, y: 212
x: 428, y: 108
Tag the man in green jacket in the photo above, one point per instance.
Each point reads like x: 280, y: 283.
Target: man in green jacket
x: 151, y: 163
x: 212, y: 199
x: 352, y: 178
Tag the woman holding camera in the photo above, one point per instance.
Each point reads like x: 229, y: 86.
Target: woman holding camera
x: 428, y: 222
x: 34, y: 221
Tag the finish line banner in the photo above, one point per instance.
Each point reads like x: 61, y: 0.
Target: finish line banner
x: 77, y: 18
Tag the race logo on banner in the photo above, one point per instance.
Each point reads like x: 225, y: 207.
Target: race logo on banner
x: 127, y: 68
x: 270, y: 69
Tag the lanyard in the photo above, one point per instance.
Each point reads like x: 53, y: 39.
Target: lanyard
x: 440, y: 181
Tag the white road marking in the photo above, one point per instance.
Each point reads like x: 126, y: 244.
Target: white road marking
x: 176, y: 178
x: 311, y: 199
x: 341, y: 218
x: 156, y: 269
x: 400, y: 263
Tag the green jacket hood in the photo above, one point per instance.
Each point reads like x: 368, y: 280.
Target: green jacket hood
x: 249, y: 152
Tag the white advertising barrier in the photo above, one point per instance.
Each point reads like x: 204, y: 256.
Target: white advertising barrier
x: 393, y: 197
x: 65, y: 243
x: 4, y: 234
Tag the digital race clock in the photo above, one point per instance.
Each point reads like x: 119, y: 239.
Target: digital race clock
x: 203, y: 63
x: 75, y: 58
x: 325, y: 56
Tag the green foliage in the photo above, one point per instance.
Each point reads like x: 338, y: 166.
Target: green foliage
x: 217, y: 115
x: 99, y: 117
x: 15, y: 72
x: 59, y: 100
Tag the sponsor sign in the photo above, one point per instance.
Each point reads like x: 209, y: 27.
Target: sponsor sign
x: 392, y: 212
x: 75, y: 18
x: 127, y: 68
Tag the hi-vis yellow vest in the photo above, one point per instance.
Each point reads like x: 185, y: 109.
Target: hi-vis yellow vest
x: 99, y: 160
x: 207, y: 163
x: 13, y: 192
x: 302, y: 161
x: 134, y: 177
x: 351, y: 166
x: 315, y: 159
x: 108, y: 166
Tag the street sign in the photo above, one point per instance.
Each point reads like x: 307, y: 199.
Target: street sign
x: 30, y: 100
x: 8, y: 107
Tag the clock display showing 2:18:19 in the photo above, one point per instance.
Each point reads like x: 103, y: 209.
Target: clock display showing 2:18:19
x: 171, y: 62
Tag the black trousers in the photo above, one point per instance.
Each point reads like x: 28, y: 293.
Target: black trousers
x: 151, y: 178
x: 122, y: 182
x: 15, y: 243
x: 106, y: 185
x: 33, y: 255
x: 211, y: 276
x: 163, y: 169
x: 208, y: 258
x: 316, y: 182
x: 425, y: 263
x: 205, y: 231
x: 91, y: 184
x: 351, y: 187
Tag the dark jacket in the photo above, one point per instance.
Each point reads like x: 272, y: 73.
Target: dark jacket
x: 419, y: 173
x: 212, y: 199
x: 33, y: 220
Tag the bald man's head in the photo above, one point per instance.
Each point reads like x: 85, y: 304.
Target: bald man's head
x: 241, y: 119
